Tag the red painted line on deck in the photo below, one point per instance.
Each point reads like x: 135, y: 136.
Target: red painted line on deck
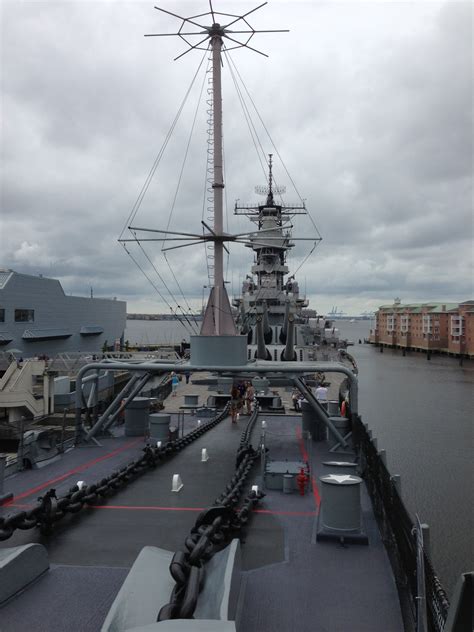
x: 79, y: 468
x: 317, y: 497
x: 147, y: 508
x: 285, y: 513
x: 304, y: 454
x: 299, y: 436
x: 196, y: 509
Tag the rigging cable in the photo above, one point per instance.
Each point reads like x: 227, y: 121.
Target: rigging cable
x: 276, y: 151
x: 176, y: 195
x: 144, y: 190
x: 154, y: 286
x: 253, y: 132
x: 159, y: 156
x: 164, y: 283
x: 274, y: 147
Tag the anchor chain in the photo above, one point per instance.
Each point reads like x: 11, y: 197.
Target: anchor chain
x: 211, y: 532
x: 51, y: 509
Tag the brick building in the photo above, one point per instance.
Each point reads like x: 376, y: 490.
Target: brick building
x: 439, y: 327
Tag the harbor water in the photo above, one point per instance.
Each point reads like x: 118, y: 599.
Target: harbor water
x: 421, y: 413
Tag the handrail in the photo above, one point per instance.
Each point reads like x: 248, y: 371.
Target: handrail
x: 421, y: 616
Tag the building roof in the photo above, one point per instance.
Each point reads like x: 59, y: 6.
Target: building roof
x: 91, y: 330
x: 4, y: 276
x: 5, y: 337
x: 46, y: 334
x: 417, y: 308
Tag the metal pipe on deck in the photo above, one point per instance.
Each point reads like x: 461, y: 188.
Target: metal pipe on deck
x: 291, y: 369
x: 133, y: 387
x: 129, y: 398
x: 80, y: 430
x: 321, y: 414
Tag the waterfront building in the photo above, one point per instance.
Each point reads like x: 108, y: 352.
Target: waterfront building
x: 37, y: 318
x: 438, y: 327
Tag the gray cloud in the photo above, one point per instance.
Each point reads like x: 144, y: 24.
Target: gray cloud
x: 371, y: 110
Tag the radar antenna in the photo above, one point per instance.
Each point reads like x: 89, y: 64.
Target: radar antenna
x: 270, y: 189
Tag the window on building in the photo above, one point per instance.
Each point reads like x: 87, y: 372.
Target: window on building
x: 2, y: 315
x: 24, y: 315
x: 457, y: 328
x: 427, y: 324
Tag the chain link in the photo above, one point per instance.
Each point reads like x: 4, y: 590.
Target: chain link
x: 51, y: 509
x: 211, y: 532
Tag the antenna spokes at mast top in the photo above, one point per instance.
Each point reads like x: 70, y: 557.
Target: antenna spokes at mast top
x: 216, y: 29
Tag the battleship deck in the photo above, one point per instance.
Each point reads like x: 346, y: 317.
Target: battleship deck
x: 289, y: 581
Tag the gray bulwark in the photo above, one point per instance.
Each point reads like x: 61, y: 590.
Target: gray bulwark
x: 19, y: 566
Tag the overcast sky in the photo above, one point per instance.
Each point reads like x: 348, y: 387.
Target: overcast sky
x: 369, y: 105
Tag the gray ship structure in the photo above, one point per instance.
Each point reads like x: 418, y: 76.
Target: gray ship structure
x: 174, y: 518
x: 271, y: 309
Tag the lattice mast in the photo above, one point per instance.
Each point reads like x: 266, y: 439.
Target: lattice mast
x: 218, y: 318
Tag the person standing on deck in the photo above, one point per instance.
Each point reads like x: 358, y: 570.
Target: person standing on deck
x: 249, y: 397
x: 235, y: 403
x: 174, y: 383
x: 322, y: 395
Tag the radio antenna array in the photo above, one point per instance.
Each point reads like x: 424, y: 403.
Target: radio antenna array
x: 218, y: 318
x: 245, y: 33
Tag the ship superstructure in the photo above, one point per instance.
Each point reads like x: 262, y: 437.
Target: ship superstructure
x: 271, y: 307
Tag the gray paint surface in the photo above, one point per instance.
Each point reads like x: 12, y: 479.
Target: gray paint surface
x: 54, y: 310
x: 19, y: 566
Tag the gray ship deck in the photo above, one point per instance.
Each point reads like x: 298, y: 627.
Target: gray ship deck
x: 289, y: 581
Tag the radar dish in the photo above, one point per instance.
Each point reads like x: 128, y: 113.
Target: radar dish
x: 263, y: 189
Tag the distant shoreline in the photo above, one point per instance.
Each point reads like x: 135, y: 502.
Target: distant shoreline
x: 162, y: 316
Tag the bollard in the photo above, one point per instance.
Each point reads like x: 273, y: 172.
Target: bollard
x: 177, y: 483
x: 136, y: 417
x: 159, y: 425
x: 204, y: 455
x: 288, y: 485
x: 340, y: 515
